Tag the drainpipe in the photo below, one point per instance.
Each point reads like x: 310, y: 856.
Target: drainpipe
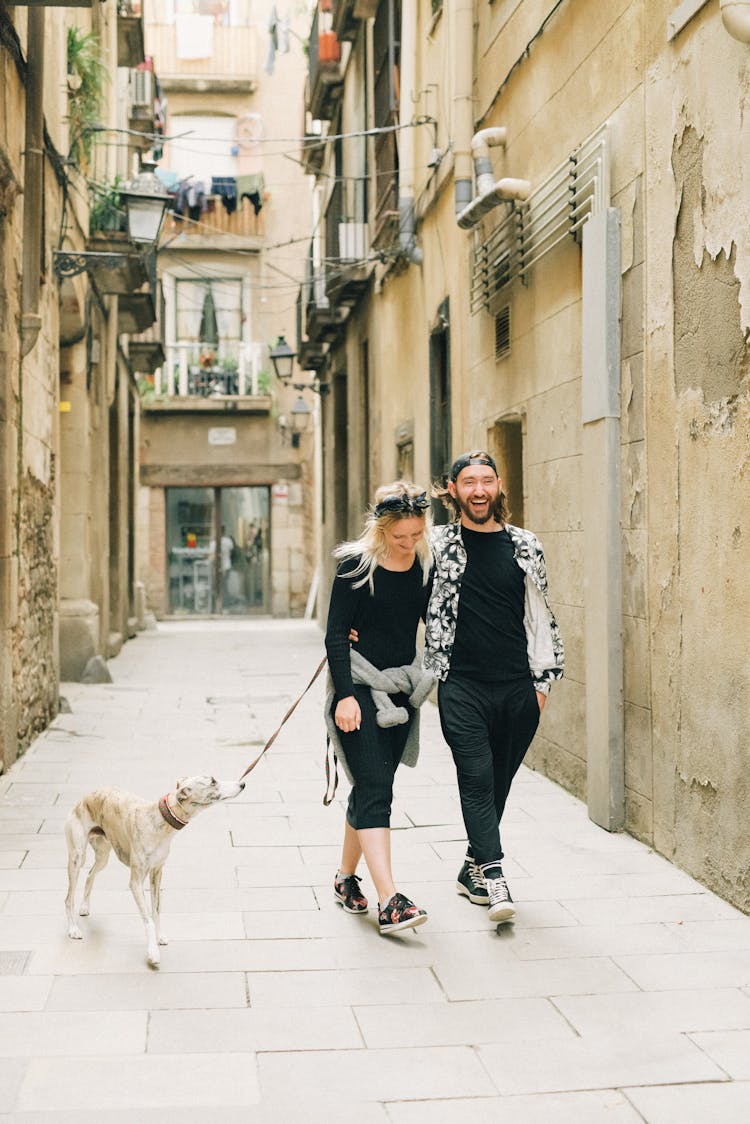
x: 489, y: 191
x: 406, y: 223
x: 735, y: 15
x: 31, y: 320
x: 463, y: 105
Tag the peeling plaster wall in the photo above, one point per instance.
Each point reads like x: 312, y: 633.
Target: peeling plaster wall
x: 698, y: 425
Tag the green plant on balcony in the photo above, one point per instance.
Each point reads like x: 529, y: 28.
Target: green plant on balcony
x: 105, y: 211
x: 264, y: 382
x: 87, y: 77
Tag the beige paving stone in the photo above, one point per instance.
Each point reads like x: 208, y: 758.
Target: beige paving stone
x: 730, y: 1049
x: 55, y: 1034
x: 227, y: 1114
x: 11, y: 860
x: 589, y: 940
x: 713, y: 936
x: 693, y: 1104
x: 669, y: 1011
x: 149, y: 1081
x: 332, y: 988
x: 705, y: 969
x: 461, y: 1024
x: 484, y: 980
x: 549, y: 1108
x: 321, y: 1028
x: 696, y: 906
x: 374, y: 1075
x: 24, y: 993
x: 612, y: 1060
x: 147, y: 991
x: 11, y: 1075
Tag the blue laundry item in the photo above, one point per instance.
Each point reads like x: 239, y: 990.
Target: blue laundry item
x: 226, y: 188
x: 169, y: 179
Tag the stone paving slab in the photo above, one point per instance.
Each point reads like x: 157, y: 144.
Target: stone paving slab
x: 621, y: 993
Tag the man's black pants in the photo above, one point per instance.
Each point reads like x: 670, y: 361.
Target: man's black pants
x: 489, y: 727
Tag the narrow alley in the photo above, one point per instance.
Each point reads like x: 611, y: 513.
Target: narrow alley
x: 622, y: 992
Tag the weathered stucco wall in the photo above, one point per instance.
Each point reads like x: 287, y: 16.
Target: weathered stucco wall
x: 698, y: 425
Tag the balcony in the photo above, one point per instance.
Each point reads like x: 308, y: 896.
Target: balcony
x: 346, y: 236
x: 326, y: 73
x: 313, y: 148
x: 219, y: 374
x: 142, y: 108
x: 311, y: 354
x: 130, y: 48
x: 229, y: 63
x: 216, y: 229
x: 349, y: 14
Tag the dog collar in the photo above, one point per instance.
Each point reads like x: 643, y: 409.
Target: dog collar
x: 169, y: 816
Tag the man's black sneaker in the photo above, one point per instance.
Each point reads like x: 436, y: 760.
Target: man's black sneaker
x: 500, y: 902
x: 399, y: 913
x: 470, y: 883
x: 346, y: 891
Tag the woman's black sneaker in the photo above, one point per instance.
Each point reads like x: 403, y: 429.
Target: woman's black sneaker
x: 399, y: 913
x: 347, y: 892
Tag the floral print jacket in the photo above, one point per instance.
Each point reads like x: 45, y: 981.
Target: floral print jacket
x: 543, y: 641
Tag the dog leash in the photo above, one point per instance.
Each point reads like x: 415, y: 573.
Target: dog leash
x: 288, y: 715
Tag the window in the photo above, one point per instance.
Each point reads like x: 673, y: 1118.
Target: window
x: 203, y: 158
x: 226, y: 13
x: 209, y: 311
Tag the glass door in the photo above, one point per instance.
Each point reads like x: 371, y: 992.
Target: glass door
x: 233, y: 580
x: 246, y: 581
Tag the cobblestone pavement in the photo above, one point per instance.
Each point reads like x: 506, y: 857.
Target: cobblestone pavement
x: 622, y: 992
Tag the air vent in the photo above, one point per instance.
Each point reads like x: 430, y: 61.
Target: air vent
x: 502, y: 333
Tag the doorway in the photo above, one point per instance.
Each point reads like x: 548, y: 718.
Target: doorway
x: 233, y: 580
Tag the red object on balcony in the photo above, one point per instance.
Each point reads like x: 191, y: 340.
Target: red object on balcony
x: 329, y: 48
x: 326, y: 5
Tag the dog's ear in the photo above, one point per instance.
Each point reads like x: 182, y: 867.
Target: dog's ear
x: 180, y: 782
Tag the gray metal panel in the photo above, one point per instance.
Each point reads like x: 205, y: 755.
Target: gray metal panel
x: 600, y: 389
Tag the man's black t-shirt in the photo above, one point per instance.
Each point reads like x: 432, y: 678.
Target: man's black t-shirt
x: 490, y: 641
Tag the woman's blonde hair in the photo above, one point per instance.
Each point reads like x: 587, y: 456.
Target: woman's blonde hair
x: 393, y: 502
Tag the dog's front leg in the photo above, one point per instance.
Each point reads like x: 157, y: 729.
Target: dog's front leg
x: 137, y: 877
x: 76, y: 841
x: 156, y: 904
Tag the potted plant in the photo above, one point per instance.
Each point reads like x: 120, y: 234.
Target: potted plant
x: 87, y: 76
x: 105, y: 212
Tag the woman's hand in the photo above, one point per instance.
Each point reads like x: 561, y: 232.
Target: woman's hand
x: 347, y: 715
x: 353, y: 636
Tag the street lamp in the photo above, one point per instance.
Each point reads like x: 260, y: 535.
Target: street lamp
x: 282, y: 358
x: 145, y: 202
x: 298, y: 422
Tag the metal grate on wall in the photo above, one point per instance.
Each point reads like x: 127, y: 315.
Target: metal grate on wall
x: 502, y: 333
x: 556, y: 210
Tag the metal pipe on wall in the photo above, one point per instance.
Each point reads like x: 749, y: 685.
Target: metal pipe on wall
x: 33, y: 186
x: 406, y: 222
x: 463, y: 104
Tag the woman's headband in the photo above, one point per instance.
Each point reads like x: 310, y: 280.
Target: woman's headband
x: 402, y: 505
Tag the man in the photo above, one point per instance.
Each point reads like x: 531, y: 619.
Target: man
x: 495, y: 647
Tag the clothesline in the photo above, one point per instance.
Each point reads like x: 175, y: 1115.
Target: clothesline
x: 191, y: 193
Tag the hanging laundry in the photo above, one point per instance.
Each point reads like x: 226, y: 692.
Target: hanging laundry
x: 226, y: 188
x: 190, y: 198
x: 251, y: 186
x: 273, y: 39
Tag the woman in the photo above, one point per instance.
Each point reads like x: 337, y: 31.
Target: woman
x: 379, y: 594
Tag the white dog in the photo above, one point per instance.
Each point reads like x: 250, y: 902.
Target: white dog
x: 140, y: 833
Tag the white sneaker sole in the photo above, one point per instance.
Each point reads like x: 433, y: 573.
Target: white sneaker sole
x: 410, y: 923
x: 346, y: 909
x: 504, y: 912
x: 477, y: 899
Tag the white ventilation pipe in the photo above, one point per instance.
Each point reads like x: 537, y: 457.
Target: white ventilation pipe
x: 489, y: 192
x: 735, y: 15
x: 481, y: 143
x: 462, y: 32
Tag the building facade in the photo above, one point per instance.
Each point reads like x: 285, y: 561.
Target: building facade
x: 69, y: 407
x: 529, y: 235
x: 228, y: 498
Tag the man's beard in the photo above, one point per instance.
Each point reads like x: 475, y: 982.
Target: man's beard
x: 492, y: 511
